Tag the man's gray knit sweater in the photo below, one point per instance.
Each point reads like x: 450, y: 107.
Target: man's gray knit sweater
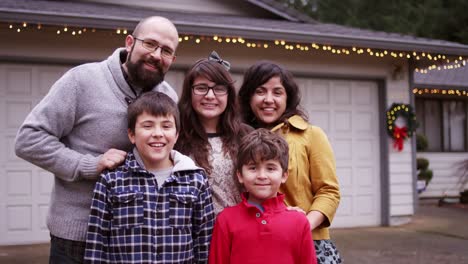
x: 83, y: 115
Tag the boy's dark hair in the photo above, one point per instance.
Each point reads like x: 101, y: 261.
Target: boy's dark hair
x: 260, y: 145
x: 153, y: 103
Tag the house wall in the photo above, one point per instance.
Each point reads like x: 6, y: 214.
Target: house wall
x: 45, y: 46
x: 400, y: 163
x: 224, y: 7
x: 446, y: 179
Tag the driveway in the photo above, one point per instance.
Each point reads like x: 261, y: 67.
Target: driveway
x: 435, y: 235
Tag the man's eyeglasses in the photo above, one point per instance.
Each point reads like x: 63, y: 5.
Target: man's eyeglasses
x: 203, y: 89
x: 153, y: 46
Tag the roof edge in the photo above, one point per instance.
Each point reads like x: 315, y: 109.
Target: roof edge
x: 288, y: 13
x: 111, y: 22
x: 330, y: 39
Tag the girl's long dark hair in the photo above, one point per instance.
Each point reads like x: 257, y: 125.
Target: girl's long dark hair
x: 193, y: 140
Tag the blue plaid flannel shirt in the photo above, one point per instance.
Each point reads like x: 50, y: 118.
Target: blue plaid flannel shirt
x: 131, y: 221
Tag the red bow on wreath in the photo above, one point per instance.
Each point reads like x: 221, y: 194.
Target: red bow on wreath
x: 399, y: 136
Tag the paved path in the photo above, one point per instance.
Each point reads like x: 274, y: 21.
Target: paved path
x: 435, y: 235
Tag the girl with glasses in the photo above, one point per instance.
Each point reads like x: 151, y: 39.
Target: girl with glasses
x: 211, y: 127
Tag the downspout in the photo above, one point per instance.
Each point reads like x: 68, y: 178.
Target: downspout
x: 384, y: 156
x: 411, y: 68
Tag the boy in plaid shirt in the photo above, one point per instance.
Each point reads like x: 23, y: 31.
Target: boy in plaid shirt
x: 156, y: 207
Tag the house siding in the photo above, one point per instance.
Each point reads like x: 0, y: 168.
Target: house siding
x: 446, y: 174
x: 400, y: 163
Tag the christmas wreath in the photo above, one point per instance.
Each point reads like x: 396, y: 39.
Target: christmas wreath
x: 400, y: 133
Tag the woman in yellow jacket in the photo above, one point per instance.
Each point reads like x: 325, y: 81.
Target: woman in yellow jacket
x: 270, y: 98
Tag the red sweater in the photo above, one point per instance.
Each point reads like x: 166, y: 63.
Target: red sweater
x: 244, y: 235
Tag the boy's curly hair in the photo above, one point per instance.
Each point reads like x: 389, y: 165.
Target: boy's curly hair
x: 260, y: 145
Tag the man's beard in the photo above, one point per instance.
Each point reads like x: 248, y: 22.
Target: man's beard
x: 142, y: 78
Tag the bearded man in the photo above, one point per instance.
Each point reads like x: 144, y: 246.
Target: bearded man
x: 79, y: 128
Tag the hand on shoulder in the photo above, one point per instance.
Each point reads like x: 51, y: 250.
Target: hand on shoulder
x: 297, y: 209
x: 111, y: 159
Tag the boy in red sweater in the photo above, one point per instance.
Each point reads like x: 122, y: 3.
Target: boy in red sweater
x: 261, y: 229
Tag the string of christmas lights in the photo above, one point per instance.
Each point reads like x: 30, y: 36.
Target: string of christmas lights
x: 436, y: 61
x: 60, y: 29
x: 448, y: 63
x: 435, y: 91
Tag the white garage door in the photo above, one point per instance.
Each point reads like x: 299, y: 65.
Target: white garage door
x: 348, y: 112
x: 24, y: 188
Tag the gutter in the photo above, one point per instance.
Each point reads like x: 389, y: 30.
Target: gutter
x: 292, y: 16
x: 335, y: 39
x: 184, y: 27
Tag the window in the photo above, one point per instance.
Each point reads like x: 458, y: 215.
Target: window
x: 444, y: 122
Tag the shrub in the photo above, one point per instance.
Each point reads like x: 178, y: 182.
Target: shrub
x: 421, y: 142
x: 422, y: 163
x: 425, y: 175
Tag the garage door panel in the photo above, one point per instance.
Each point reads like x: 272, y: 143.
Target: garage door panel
x: 318, y: 92
x: 343, y: 121
x: 47, y: 77
x: 364, y: 122
x: 18, y: 183
x: 363, y: 93
x: 19, y: 80
x: 345, y: 209
x: 46, y: 182
x: 43, y: 210
x: 3, y: 152
x: 10, y: 157
x: 343, y: 149
x: 364, y: 149
x: 365, y: 205
x: 176, y: 80
x: 237, y: 78
x: 344, y: 175
x: 3, y: 82
x: 365, y: 176
x: 23, y: 224
x: 320, y: 119
x: 16, y: 111
x: 19, y: 217
x: 342, y: 93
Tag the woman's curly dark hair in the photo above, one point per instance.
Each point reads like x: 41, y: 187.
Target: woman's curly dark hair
x: 260, y: 73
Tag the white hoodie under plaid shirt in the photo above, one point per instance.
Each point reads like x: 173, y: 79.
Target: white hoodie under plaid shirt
x: 134, y: 221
